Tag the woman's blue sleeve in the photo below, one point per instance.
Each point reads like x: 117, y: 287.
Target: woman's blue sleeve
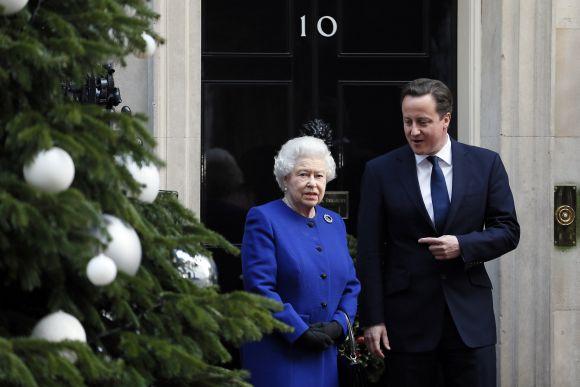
x: 259, y: 268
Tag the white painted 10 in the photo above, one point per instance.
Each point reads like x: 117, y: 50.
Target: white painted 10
x: 319, y: 26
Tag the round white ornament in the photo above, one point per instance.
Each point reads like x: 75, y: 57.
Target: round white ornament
x: 59, y: 326
x: 150, y: 46
x: 51, y: 170
x: 130, y: 11
x: 101, y: 270
x: 124, y: 247
x: 10, y: 7
x: 146, y: 175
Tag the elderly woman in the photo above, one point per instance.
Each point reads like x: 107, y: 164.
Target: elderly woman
x: 295, y: 252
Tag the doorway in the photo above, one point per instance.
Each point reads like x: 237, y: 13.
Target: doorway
x: 268, y: 67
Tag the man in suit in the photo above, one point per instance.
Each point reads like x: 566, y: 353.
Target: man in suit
x: 431, y: 213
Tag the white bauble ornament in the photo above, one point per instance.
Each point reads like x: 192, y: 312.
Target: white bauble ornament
x: 124, y: 247
x: 130, y: 11
x: 10, y: 7
x: 199, y: 269
x: 51, y: 170
x: 150, y: 46
x: 59, y: 326
x: 146, y: 175
x: 101, y: 270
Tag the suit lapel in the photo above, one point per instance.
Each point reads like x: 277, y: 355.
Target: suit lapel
x: 408, y: 176
x: 460, y: 179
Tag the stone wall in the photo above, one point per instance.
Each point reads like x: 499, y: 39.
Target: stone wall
x: 177, y: 98
x: 530, y: 93
x: 565, y: 147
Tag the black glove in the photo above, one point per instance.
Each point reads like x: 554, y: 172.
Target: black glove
x: 314, y: 340
x: 332, y: 329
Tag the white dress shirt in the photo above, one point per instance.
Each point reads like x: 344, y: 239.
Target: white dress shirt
x: 424, y: 168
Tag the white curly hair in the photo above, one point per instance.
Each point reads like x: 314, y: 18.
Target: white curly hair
x: 300, y: 147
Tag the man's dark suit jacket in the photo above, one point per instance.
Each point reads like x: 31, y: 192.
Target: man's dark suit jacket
x: 402, y: 283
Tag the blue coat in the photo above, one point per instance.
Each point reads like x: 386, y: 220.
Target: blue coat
x: 304, y: 264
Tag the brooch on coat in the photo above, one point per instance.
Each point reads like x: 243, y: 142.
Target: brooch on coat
x: 327, y: 218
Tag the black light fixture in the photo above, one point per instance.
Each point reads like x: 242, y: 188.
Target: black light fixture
x: 99, y: 90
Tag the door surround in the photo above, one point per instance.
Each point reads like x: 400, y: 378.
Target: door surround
x: 469, y: 71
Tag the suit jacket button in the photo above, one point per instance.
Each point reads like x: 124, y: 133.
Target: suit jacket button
x: 310, y: 224
x: 323, y: 275
x: 323, y: 304
x: 319, y: 248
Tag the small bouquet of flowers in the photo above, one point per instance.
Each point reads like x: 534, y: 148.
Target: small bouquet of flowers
x: 373, y: 366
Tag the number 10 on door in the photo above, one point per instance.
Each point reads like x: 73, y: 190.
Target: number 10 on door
x: 319, y: 26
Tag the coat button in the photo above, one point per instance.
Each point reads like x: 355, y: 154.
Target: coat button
x: 319, y: 248
x: 323, y: 304
x: 323, y: 275
x: 310, y: 224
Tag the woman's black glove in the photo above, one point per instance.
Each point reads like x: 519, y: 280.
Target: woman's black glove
x: 314, y: 340
x: 332, y: 329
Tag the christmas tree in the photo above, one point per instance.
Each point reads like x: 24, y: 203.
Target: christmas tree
x: 93, y: 264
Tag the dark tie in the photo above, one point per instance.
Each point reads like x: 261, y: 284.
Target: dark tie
x: 439, y: 194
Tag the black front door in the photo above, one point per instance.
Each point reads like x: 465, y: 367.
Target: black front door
x: 268, y: 67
